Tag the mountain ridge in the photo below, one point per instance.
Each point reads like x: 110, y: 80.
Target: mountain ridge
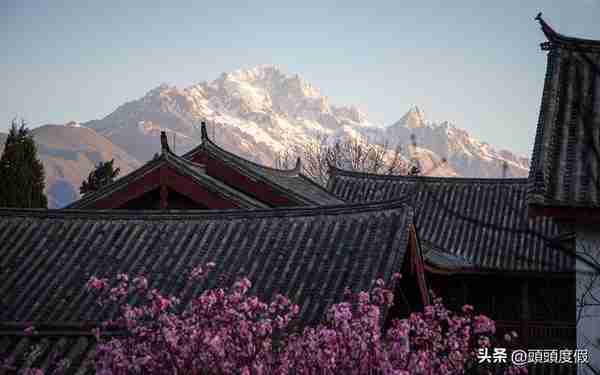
x: 256, y: 113
x: 269, y: 110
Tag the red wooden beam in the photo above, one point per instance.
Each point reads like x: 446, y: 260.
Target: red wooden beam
x: 164, y: 193
x: 418, y: 266
x: 135, y: 189
x: 575, y: 214
x: 195, y: 192
x: 232, y: 177
x: 164, y: 178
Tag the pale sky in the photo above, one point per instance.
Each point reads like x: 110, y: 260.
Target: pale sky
x: 475, y: 63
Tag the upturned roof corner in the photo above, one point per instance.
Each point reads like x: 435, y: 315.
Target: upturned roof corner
x: 546, y: 28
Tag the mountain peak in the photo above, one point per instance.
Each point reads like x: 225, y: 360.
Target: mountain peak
x: 255, y: 74
x: 414, y: 118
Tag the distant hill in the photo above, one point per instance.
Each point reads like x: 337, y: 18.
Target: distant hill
x: 69, y: 153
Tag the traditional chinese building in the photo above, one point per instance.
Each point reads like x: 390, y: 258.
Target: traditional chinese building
x: 564, y: 177
x: 308, y: 254
x: 504, y: 245
x: 481, y: 247
x: 207, y: 177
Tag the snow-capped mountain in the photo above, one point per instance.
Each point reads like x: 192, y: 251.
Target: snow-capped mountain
x: 257, y: 112
x: 466, y: 155
x: 261, y: 111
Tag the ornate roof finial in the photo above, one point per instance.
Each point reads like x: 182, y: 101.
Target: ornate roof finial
x: 298, y: 166
x: 548, y: 31
x: 164, y: 143
x: 203, y: 131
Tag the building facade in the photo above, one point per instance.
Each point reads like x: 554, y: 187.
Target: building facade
x: 565, y: 170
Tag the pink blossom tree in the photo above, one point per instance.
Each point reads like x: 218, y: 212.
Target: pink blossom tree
x: 232, y: 332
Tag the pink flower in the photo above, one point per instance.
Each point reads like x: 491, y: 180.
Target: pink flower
x: 363, y: 297
x: 95, y: 283
x: 226, y: 331
x: 483, y: 324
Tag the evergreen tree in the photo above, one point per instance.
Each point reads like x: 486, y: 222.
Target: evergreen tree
x: 21, y: 172
x: 102, y: 175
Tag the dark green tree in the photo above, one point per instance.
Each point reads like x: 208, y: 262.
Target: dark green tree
x: 102, y: 175
x: 21, y: 172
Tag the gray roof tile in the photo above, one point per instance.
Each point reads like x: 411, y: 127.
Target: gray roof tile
x: 478, y: 222
x: 566, y: 155
x: 46, y: 256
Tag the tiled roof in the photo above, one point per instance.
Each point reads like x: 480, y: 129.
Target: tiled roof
x: 291, y: 182
x: 474, y: 223
x: 308, y: 254
x: 45, y: 348
x: 565, y: 168
x: 195, y: 172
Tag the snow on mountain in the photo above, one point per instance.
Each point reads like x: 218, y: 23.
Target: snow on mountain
x: 73, y: 124
x: 261, y: 111
x: 413, y: 119
x: 466, y: 155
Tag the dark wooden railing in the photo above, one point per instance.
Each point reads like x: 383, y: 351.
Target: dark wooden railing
x: 540, y: 334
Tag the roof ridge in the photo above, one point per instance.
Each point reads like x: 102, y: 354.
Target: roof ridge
x: 317, y: 185
x: 223, y: 189
x: 168, y: 157
x: 299, y: 211
x: 207, y: 141
x: 335, y: 170
x: 261, y: 172
x: 287, y: 172
x: 145, y: 168
x: 556, y: 37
